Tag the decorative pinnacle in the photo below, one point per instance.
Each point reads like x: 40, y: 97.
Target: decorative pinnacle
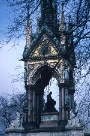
x: 28, y: 15
x: 62, y: 16
x: 62, y: 6
x: 62, y: 26
x: 28, y: 28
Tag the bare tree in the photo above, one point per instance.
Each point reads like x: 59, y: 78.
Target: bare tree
x: 9, y: 106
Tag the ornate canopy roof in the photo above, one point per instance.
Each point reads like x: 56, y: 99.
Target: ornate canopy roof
x: 43, y: 31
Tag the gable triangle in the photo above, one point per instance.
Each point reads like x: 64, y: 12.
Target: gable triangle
x: 45, y: 47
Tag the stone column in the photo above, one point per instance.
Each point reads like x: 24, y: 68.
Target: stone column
x: 67, y: 103
x: 63, y: 112
x: 63, y: 103
x: 71, y: 89
x: 34, y: 107
x: 60, y: 104
x: 38, y: 110
x: 30, y: 104
x: 25, y: 117
x: 71, y: 101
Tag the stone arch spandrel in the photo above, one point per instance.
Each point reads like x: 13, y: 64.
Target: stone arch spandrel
x: 35, y: 74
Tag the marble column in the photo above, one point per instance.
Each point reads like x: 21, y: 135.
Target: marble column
x: 34, y: 107
x: 38, y: 110
x: 30, y: 105
x: 71, y: 101
x: 63, y: 103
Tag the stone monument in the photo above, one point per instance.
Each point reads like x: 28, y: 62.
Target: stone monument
x: 47, y: 54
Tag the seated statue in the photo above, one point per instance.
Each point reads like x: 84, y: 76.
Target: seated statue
x: 50, y: 104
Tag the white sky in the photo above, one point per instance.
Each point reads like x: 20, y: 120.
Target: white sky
x: 52, y: 87
x: 9, y: 61
x: 9, y: 57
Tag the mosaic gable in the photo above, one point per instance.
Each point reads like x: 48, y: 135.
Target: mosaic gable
x: 44, y: 48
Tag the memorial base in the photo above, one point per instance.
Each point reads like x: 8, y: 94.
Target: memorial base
x: 49, y: 127
x: 49, y: 119
x: 45, y: 132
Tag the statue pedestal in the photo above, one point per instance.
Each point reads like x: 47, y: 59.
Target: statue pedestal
x: 49, y: 119
x: 49, y: 127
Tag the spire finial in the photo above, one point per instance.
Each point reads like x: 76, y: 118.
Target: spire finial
x: 62, y: 26
x: 62, y: 16
x: 62, y: 6
x: 28, y: 27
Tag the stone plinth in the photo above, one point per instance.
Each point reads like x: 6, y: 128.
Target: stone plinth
x: 48, y: 128
x: 45, y: 132
x: 49, y: 119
